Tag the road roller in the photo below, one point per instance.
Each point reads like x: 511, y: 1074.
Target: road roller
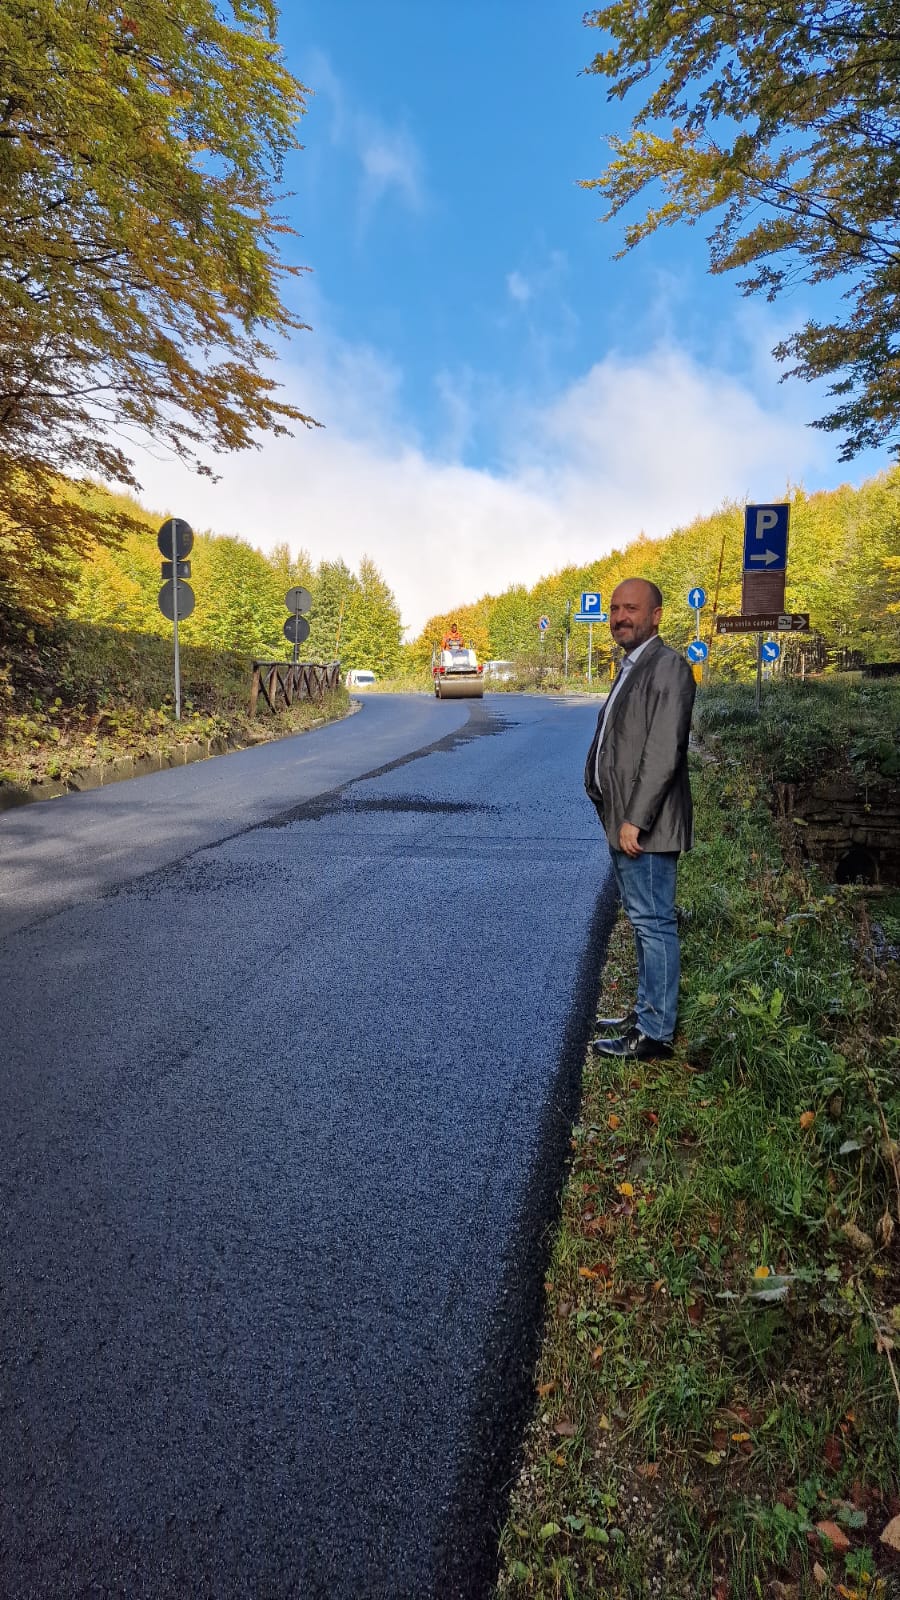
x: 455, y: 670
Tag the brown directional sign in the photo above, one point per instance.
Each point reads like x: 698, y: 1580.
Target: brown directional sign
x: 773, y: 622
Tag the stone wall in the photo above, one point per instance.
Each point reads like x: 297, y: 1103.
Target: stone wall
x: 851, y: 830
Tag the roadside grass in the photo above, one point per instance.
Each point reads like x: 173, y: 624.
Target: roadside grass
x: 74, y: 696
x: 718, y: 1401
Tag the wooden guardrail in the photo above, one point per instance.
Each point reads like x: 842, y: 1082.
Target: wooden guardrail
x: 282, y: 682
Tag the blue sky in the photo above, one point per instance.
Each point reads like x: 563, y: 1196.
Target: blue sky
x: 499, y: 396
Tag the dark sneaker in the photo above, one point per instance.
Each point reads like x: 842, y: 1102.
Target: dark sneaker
x: 617, y: 1024
x: 634, y: 1046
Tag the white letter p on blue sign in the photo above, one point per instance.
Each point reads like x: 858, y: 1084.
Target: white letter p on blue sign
x: 590, y: 604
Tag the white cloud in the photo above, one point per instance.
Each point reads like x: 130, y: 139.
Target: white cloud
x: 543, y: 277
x: 390, y: 161
x: 519, y: 288
x: 640, y: 442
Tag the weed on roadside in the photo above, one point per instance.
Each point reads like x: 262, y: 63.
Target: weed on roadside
x: 718, y: 1409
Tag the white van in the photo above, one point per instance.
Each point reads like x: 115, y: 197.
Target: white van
x: 360, y: 678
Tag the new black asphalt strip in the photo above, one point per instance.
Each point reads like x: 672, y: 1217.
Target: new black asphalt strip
x: 290, y: 1055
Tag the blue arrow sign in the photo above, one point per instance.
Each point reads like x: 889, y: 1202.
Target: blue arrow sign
x: 544, y: 624
x: 591, y: 604
x: 766, y: 538
x: 771, y: 650
x: 697, y: 599
x: 697, y: 650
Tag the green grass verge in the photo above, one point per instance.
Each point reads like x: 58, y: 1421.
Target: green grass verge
x: 717, y: 1392
x: 74, y: 696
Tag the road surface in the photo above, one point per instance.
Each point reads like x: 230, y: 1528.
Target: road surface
x: 291, y: 1048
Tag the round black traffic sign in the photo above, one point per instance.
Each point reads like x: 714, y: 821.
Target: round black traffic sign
x: 296, y: 629
x: 167, y: 600
x: 298, y: 599
x: 184, y: 538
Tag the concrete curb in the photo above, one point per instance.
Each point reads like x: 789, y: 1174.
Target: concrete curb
x: 99, y: 777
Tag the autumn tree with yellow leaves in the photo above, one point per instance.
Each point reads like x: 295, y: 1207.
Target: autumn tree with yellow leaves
x: 780, y: 123
x: 141, y: 149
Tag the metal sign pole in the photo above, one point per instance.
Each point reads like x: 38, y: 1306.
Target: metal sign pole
x: 590, y: 650
x: 296, y: 653
x: 175, y: 618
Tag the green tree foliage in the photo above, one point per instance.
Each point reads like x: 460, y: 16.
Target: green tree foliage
x: 784, y: 120
x: 240, y: 603
x: 240, y: 594
x: 140, y: 152
x: 332, y: 590
x: 372, y: 631
x: 292, y: 570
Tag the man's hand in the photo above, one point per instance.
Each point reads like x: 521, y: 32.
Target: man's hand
x: 628, y: 839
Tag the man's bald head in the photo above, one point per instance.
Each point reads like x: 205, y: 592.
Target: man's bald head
x: 634, y: 612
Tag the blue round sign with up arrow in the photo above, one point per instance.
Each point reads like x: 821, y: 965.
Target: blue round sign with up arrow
x: 697, y: 599
x: 697, y: 650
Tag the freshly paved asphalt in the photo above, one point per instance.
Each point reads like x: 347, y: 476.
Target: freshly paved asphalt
x: 288, y: 1063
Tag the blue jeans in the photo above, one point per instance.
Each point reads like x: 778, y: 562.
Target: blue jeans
x: 647, y: 887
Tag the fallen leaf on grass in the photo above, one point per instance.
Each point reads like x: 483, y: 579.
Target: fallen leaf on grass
x: 549, y: 1530
x: 884, y: 1229
x: 740, y: 1438
x: 650, y: 1469
x: 565, y: 1429
x: 695, y: 1312
x: 713, y: 1458
x: 891, y: 1534
x: 545, y: 1388
x: 597, y: 1352
x: 604, y: 1423
x: 836, y: 1536
x: 832, y: 1452
x: 807, y: 1118
x: 587, y: 1272
x: 613, y: 1121
x: 627, y: 1189
x: 820, y: 1575
x: 855, y: 1237
x: 761, y: 1272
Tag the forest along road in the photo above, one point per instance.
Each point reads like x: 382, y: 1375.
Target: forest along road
x: 290, y: 1049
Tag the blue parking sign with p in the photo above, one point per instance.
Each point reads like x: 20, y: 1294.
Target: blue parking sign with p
x: 591, y: 604
x: 766, y: 538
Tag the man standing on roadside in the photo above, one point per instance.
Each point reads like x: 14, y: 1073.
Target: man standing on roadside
x: 637, y: 777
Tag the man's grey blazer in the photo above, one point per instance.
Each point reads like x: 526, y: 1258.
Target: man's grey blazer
x: 643, y: 758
